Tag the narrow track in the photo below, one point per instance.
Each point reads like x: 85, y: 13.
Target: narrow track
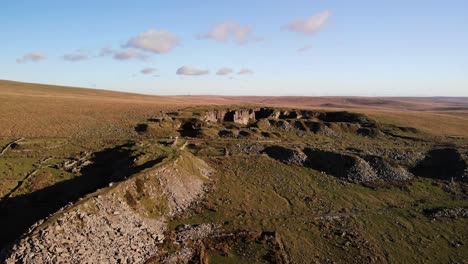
x: 4, y: 150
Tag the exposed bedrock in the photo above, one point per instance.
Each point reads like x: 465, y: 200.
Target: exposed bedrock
x: 243, y: 116
x: 444, y: 163
x: 123, y: 224
x: 332, y: 124
x: 267, y: 113
x: 214, y: 116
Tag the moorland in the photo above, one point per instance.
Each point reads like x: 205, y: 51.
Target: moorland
x: 103, y: 176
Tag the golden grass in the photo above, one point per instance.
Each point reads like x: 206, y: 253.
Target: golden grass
x: 37, y: 110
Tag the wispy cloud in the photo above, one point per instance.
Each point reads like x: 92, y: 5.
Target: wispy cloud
x: 224, y: 71
x: 154, y: 41
x: 33, y: 56
x: 106, y: 51
x: 304, y: 48
x: 245, y: 72
x: 148, y: 70
x: 229, y: 30
x: 189, y: 70
x: 309, y: 25
x: 128, y: 55
x: 77, y: 56
x: 122, y: 55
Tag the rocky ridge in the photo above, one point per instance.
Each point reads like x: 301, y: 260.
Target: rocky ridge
x: 122, y: 224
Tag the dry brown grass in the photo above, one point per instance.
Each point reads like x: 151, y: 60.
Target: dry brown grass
x: 36, y: 110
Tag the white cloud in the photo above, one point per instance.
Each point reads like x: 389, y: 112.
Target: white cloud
x: 33, y: 56
x: 304, y: 48
x: 129, y: 54
x: 154, y: 41
x: 228, y: 30
x: 245, y: 72
x: 224, y: 71
x: 148, y: 70
x: 189, y: 70
x: 309, y: 25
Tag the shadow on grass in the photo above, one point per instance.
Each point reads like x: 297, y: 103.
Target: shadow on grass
x: 18, y: 213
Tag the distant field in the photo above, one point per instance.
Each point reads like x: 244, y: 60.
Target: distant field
x: 36, y: 110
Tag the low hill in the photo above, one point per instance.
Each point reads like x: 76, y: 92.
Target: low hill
x: 38, y: 110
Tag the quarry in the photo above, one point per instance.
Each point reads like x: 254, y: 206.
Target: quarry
x: 163, y: 196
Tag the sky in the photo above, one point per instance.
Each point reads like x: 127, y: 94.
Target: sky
x: 242, y: 47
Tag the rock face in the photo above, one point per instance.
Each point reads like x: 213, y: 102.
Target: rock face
x: 242, y: 116
x: 329, y: 124
x: 267, y: 113
x: 214, y: 116
x: 123, y: 224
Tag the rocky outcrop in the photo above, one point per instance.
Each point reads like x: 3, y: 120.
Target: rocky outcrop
x: 344, y: 166
x: 320, y: 128
x: 290, y: 114
x: 191, y: 127
x: 282, y: 125
x: 286, y: 155
x: 444, y: 163
x: 263, y: 124
x: 346, y: 117
x: 122, y: 224
x: 356, y: 168
x: 241, y: 116
x: 448, y: 212
x: 214, y: 116
x: 267, y: 113
x: 386, y: 171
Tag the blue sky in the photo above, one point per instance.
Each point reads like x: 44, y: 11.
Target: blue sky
x: 315, y: 47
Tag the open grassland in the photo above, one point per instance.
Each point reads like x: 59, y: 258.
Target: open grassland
x: 34, y: 110
x: 323, y: 220
x: 62, y: 145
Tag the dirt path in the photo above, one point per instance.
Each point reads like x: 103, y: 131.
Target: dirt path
x: 4, y: 150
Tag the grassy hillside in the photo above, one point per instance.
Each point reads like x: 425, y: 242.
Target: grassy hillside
x: 36, y: 110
